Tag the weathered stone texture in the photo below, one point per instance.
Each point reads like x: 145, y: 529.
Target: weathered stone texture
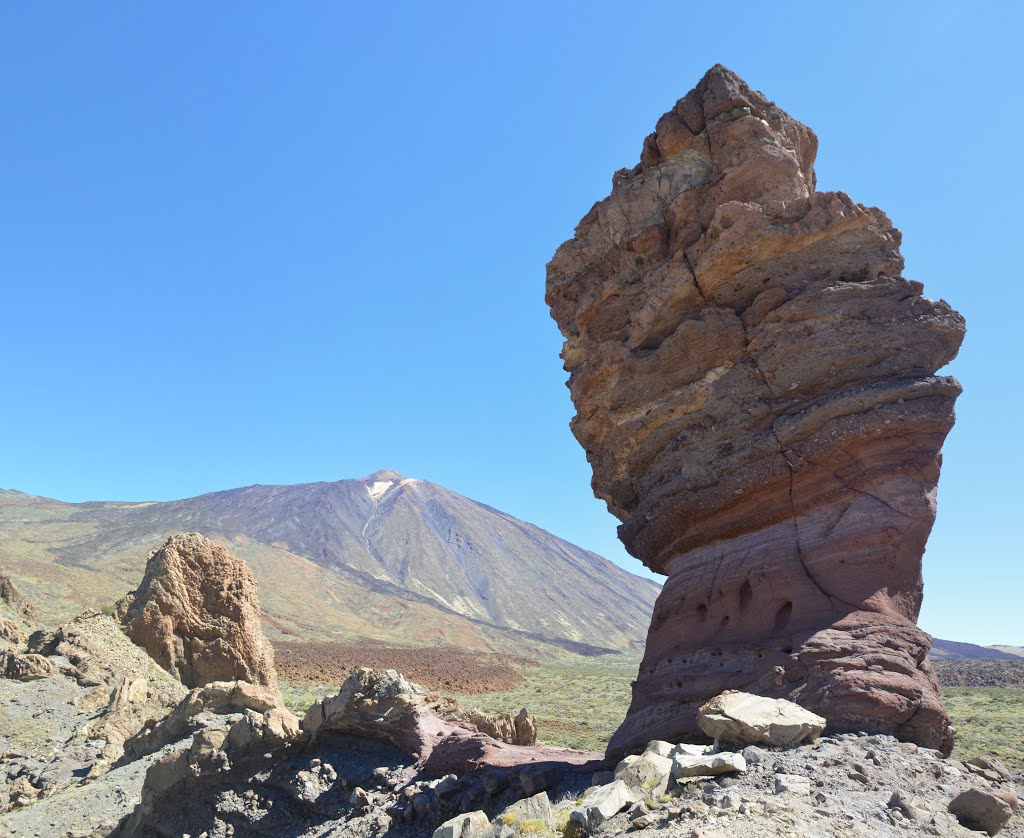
x: 197, y: 613
x: 755, y: 390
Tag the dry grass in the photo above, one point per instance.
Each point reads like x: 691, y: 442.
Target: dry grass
x: 579, y: 703
x: 989, y: 721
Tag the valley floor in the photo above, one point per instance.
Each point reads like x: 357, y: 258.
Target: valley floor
x: 579, y: 703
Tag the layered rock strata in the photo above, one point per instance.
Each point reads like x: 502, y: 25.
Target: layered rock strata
x: 197, y: 613
x: 755, y: 390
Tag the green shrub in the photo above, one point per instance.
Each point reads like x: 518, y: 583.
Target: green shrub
x: 571, y: 829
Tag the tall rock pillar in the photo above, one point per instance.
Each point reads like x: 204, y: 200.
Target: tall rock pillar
x: 755, y: 390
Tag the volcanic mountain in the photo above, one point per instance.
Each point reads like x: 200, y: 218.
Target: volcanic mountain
x: 385, y: 557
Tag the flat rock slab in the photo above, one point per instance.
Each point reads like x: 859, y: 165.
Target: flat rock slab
x: 756, y: 720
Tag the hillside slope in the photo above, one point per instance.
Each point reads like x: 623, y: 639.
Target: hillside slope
x: 384, y: 557
x: 955, y: 650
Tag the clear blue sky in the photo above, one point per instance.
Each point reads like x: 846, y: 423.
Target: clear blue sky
x: 276, y: 243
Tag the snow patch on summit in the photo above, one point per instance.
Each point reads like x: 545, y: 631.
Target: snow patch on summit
x: 378, y: 489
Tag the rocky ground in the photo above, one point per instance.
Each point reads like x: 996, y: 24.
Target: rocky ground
x: 846, y: 785
x: 374, y: 761
x: 97, y: 740
x: 231, y: 763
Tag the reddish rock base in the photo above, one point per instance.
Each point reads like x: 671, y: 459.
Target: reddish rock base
x: 815, y: 599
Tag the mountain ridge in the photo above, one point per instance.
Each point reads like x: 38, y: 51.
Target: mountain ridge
x: 389, y: 551
x: 958, y: 650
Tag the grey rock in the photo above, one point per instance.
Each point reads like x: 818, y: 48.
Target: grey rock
x: 792, y: 783
x: 601, y: 804
x: 360, y: 798
x: 910, y: 806
x: 647, y: 773
x: 708, y: 765
x: 468, y: 825
x: 536, y: 808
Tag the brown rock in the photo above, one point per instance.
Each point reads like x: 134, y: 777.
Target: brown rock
x: 9, y: 594
x: 980, y: 810
x: 219, y: 698
x: 28, y: 667
x: 755, y: 390
x: 989, y: 765
x: 22, y: 792
x: 1008, y: 796
x: 197, y: 613
x: 11, y: 634
x: 520, y: 729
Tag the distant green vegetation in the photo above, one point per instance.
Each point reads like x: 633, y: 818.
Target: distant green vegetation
x: 579, y: 703
x: 989, y: 721
x: 299, y: 697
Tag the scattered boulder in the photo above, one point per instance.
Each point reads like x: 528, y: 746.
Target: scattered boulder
x: 197, y: 613
x: 529, y: 815
x: 980, y: 810
x: 912, y: 806
x: 707, y: 765
x: 360, y: 798
x: 648, y: 774
x: 792, y: 784
x: 755, y: 720
x: 469, y: 825
x: 520, y: 729
x: 660, y: 747
x: 600, y: 804
x: 755, y: 387
x: 24, y: 667
x: 990, y: 768
x: 266, y: 718
x: 11, y: 634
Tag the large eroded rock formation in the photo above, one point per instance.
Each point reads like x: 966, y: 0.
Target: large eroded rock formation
x: 197, y: 613
x: 755, y: 390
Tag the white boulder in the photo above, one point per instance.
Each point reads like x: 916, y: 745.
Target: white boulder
x: 468, y: 825
x: 756, y: 720
x: 601, y: 804
x: 648, y: 774
x: 707, y: 765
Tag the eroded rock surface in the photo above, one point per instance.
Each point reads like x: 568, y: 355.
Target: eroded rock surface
x: 197, y: 613
x: 61, y: 733
x: 755, y: 390
x: 374, y: 759
x: 520, y: 729
x: 23, y: 667
x: 382, y: 705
